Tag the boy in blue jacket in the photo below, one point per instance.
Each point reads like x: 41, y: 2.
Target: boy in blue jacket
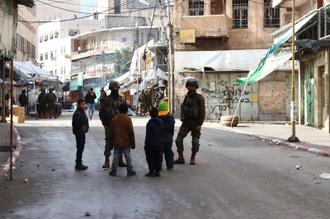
x: 153, y: 143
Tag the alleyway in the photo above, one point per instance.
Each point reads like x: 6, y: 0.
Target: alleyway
x: 236, y: 176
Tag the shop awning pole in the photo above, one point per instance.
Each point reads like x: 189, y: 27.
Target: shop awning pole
x: 11, y: 119
x: 3, y: 118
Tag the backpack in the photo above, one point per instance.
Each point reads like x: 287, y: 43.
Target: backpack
x: 142, y: 98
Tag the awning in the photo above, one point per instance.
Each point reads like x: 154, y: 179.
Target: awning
x: 227, y: 60
x: 27, y: 70
x: 121, y: 80
x: 161, y: 74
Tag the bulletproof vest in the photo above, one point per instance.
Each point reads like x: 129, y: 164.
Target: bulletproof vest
x: 51, y: 97
x: 142, y: 98
x: 190, y: 107
x: 113, y: 106
x: 42, y: 98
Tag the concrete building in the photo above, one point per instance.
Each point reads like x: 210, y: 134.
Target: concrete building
x: 219, y: 41
x: 312, y: 50
x: 26, y: 34
x: 54, y: 44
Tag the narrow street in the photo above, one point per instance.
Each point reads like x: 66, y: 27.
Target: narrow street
x: 236, y: 176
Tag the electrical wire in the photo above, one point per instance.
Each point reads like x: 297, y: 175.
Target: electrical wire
x: 152, y: 22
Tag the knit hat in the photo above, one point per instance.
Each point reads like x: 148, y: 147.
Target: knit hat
x: 123, y: 108
x: 163, y: 106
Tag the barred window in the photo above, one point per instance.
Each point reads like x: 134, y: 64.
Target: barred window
x: 240, y: 14
x: 196, y: 7
x: 22, y: 44
x: 27, y: 46
x: 117, y: 6
x: 271, y: 15
x: 41, y: 57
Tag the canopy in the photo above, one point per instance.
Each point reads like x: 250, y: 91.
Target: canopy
x: 27, y: 70
x: 121, y: 80
x: 227, y: 60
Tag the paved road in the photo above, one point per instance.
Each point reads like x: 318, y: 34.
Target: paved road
x: 237, y: 177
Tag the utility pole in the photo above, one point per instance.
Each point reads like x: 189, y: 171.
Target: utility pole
x: 169, y: 55
x: 293, y: 137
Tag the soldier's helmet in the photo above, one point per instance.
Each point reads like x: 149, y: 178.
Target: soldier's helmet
x: 114, y: 84
x: 145, y: 91
x: 193, y: 82
x: 50, y: 89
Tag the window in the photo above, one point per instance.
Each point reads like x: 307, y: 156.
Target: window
x: 33, y: 52
x: 41, y: 57
x: 22, y: 44
x: 61, y: 70
x: 142, y: 41
x: 217, y: 7
x: 240, y: 13
x: 64, y: 70
x: 28, y: 46
x: 196, y: 7
x: 51, y: 54
x: 124, y: 40
x: 51, y: 72
x: 57, y: 33
x: 46, y: 55
x: 117, y: 6
x: 46, y: 37
x: 51, y: 35
x: 74, y: 32
x: 41, y: 39
x: 271, y: 15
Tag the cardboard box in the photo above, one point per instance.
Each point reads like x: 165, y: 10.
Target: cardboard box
x: 17, y: 119
x: 18, y: 110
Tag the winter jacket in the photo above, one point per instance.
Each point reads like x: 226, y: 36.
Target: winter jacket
x: 89, y: 98
x: 103, y: 94
x: 168, y: 122
x: 121, y: 132
x: 154, y: 133
x: 199, y: 103
x: 79, y: 122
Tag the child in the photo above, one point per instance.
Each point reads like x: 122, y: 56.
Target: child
x: 153, y: 143
x: 168, y: 122
x: 80, y: 128
x: 122, y: 139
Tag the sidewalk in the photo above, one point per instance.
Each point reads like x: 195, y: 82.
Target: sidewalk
x: 311, y: 139
x: 5, y: 149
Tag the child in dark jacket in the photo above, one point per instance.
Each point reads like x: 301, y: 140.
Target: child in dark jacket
x: 168, y: 122
x: 153, y: 143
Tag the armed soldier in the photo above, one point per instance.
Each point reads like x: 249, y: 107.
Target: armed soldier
x: 51, y: 98
x: 142, y: 101
x: 192, y: 117
x: 148, y: 100
x: 109, y: 108
x: 42, y: 100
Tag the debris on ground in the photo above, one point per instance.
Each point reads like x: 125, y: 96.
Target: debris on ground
x: 299, y: 167
x: 88, y: 213
x: 211, y: 144
x: 325, y: 176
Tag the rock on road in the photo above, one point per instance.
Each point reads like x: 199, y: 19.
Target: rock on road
x: 237, y: 177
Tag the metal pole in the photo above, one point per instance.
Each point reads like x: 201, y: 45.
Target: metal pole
x: 3, y: 91
x: 11, y: 119
x: 170, y: 96
x: 293, y: 137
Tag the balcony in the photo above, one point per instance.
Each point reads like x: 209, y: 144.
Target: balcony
x: 209, y: 26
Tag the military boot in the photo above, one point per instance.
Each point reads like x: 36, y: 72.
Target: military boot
x: 180, y: 160
x: 80, y: 166
x: 121, y: 162
x: 192, y: 158
x: 107, y: 162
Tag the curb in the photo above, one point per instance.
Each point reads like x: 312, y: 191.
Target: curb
x: 5, y: 167
x: 280, y: 142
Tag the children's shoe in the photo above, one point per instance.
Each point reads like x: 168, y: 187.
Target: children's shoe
x: 113, y: 173
x: 157, y: 173
x: 150, y: 174
x: 131, y: 173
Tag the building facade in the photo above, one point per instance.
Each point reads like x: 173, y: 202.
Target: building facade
x: 219, y: 41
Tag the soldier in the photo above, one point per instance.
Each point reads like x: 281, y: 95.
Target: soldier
x: 148, y: 100
x: 42, y: 100
x: 192, y: 117
x: 109, y: 108
x: 23, y: 100
x: 142, y: 101
x: 51, y: 98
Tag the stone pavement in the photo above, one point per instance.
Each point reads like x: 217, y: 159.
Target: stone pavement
x: 5, y: 150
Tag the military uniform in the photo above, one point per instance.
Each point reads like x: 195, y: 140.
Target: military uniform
x: 23, y: 99
x: 42, y: 100
x: 148, y: 99
x: 51, y: 98
x: 142, y: 101
x: 193, y: 115
x: 110, y: 103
